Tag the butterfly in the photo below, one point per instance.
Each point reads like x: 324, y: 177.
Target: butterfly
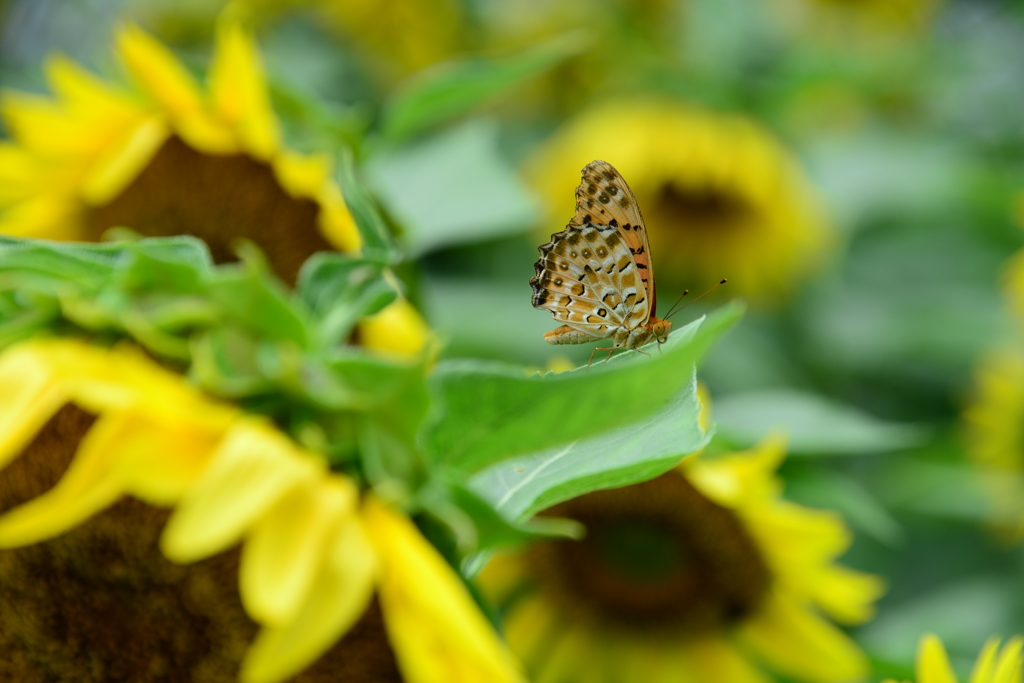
x: 596, y: 276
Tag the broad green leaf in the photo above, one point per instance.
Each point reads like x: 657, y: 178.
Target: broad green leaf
x: 24, y: 314
x: 813, y: 424
x: 480, y: 528
x: 177, y: 264
x: 395, y: 407
x: 377, y: 242
x: 943, y: 490
x: 452, y: 188
x: 452, y: 89
x: 85, y: 264
x: 340, y: 289
x: 521, y: 486
x: 485, y: 412
x: 261, y: 305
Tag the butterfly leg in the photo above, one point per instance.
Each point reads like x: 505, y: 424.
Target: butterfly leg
x: 610, y: 350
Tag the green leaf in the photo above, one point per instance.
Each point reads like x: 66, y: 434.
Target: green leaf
x: 377, y: 242
x: 814, y: 424
x: 395, y: 405
x: 452, y: 89
x: 477, y: 527
x: 262, y: 305
x: 486, y: 412
x: 452, y: 188
x: 85, y: 264
x: 340, y: 289
x: 519, y: 487
x: 177, y: 264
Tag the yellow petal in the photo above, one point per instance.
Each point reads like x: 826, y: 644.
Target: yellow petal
x: 159, y: 462
x: 239, y: 91
x: 84, y: 93
x: 158, y: 72
x: 336, y: 222
x: 846, y: 594
x: 436, y: 629
x: 571, y: 657
x: 716, y: 659
x: 88, y: 486
x: 21, y: 174
x: 337, y: 598
x: 123, y: 160
x: 985, y: 665
x: 932, y: 663
x: 733, y: 479
x: 207, y: 134
x: 44, y: 217
x: 531, y: 626
x: 798, y: 643
x: 253, y: 467
x: 302, y: 175
x: 1010, y: 664
x: 33, y: 392
x: 285, y: 549
x: 398, y: 329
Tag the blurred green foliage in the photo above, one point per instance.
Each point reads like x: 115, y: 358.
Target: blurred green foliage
x: 911, y: 134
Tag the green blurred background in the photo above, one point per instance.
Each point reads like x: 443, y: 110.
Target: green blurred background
x: 905, y: 117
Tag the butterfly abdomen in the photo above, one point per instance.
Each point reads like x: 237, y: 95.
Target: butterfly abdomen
x: 568, y: 335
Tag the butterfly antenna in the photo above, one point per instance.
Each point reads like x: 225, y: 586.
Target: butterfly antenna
x: 674, y: 310
x: 671, y: 311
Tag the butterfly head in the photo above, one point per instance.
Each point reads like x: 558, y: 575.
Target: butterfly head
x: 660, y: 328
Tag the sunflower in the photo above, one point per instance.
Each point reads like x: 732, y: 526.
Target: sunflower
x: 721, y: 197
x: 163, y: 156
x: 846, y: 23
x: 993, y: 665
x: 995, y: 437
x: 703, y: 574
x: 107, y: 457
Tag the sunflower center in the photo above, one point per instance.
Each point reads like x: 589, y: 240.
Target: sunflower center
x: 69, y: 605
x: 217, y: 199
x: 700, y: 209
x: 657, y: 556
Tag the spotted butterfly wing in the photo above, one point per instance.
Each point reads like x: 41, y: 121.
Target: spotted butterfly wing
x: 604, y: 197
x: 595, y: 275
x: 587, y: 278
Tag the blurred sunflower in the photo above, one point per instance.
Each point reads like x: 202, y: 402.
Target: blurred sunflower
x: 90, y: 598
x: 720, y: 196
x: 165, y: 157
x: 1013, y: 275
x: 995, y: 436
x: 992, y: 666
x: 862, y: 21
x: 703, y: 574
x: 393, y: 39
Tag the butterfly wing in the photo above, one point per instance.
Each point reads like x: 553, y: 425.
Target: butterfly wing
x: 588, y: 278
x: 603, y: 197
